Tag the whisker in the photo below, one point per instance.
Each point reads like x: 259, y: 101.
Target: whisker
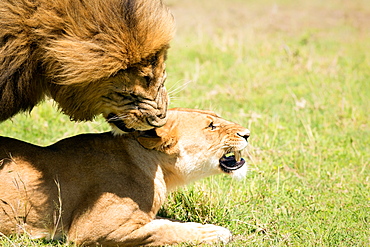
x: 173, y: 91
x: 175, y: 85
x: 123, y: 115
x: 175, y: 98
x: 118, y: 117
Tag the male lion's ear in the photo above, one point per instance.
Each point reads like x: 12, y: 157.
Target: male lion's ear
x: 163, y: 139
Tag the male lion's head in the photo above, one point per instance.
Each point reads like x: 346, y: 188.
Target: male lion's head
x: 91, y: 56
x: 113, y: 62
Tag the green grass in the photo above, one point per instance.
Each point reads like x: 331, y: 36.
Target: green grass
x: 297, y: 74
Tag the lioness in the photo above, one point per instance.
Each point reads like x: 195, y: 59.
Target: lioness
x: 91, y: 56
x: 106, y: 189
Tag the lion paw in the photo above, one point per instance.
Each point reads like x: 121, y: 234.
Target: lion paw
x: 213, y: 234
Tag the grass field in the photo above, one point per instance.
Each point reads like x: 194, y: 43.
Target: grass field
x: 297, y: 74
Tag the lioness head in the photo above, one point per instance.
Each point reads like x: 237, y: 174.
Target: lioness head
x: 204, y: 143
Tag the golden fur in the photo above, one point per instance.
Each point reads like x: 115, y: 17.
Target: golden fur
x: 90, y: 56
x: 106, y: 189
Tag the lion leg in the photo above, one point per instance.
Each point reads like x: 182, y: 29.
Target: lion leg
x: 162, y: 231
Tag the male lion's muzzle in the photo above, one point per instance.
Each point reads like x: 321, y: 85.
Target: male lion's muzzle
x: 148, y: 122
x: 140, y: 113
x: 157, y: 121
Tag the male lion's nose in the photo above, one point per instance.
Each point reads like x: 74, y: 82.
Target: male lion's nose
x: 157, y: 121
x: 245, y: 134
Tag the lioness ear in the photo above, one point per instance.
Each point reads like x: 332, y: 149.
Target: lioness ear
x: 163, y: 139
x: 149, y: 139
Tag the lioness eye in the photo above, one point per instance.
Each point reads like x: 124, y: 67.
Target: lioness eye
x: 211, y: 126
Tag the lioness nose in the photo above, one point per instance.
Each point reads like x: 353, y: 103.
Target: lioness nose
x: 245, y: 134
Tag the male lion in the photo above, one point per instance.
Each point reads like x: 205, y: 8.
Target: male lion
x: 106, y: 189
x: 90, y: 56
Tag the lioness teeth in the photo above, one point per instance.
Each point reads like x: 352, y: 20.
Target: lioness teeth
x: 237, y: 156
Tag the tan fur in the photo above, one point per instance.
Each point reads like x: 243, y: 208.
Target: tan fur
x: 90, y: 56
x: 105, y: 189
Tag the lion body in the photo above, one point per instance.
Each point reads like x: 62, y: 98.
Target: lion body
x: 105, y: 189
x: 80, y: 52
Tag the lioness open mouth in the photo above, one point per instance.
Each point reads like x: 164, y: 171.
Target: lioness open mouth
x: 114, y: 119
x: 231, y: 161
